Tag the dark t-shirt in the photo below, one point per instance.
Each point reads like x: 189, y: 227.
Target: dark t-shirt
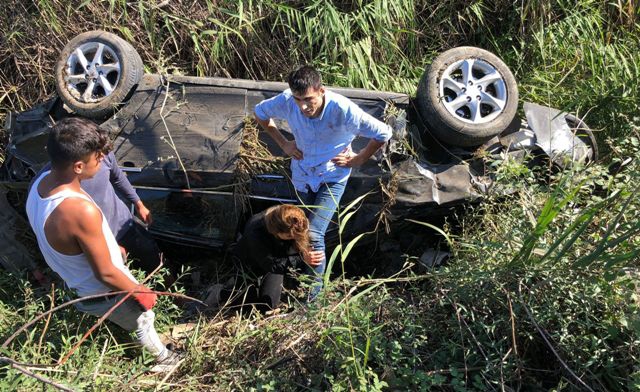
x: 264, y: 252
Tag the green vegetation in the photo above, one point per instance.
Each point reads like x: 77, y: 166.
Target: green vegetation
x: 541, y: 292
x: 581, y: 56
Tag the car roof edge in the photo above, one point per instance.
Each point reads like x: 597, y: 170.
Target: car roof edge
x: 356, y: 93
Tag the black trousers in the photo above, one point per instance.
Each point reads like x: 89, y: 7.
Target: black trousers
x: 270, y: 289
x: 142, y: 248
x: 264, y: 297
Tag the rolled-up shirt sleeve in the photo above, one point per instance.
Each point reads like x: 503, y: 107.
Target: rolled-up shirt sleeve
x: 275, y: 107
x: 364, y: 124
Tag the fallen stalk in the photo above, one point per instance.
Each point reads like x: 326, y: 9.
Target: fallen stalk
x: 543, y: 334
x: 107, y: 314
x: 46, y: 324
x: 102, y: 295
x: 66, y: 304
x: 166, y: 127
x: 19, y: 367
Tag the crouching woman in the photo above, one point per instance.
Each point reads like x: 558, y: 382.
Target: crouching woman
x: 275, y: 241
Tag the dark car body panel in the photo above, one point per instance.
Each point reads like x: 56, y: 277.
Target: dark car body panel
x: 181, y: 152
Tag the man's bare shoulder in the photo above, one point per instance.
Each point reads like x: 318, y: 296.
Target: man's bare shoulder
x: 79, y: 211
x: 73, y: 220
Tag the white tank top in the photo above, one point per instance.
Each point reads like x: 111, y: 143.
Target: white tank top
x: 75, y: 270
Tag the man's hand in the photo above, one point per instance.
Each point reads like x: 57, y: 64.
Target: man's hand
x: 313, y: 258
x: 348, y: 158
x: 291, y: 149
x: 145, y: 297
x: 288, y: 146
x: 143, y: 212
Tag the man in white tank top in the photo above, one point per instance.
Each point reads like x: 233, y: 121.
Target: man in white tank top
x: 75, y: 239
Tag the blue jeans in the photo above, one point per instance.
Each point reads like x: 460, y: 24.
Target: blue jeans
x: 320, y: 207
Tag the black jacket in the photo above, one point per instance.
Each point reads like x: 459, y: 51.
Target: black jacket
x: 263, y: 252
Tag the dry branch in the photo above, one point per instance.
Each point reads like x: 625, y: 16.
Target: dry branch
x: 547, y: 341
x: 21, y: 368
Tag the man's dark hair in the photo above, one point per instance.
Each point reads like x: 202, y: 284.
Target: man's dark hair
x: 302, y: 78
x: 74, y: 139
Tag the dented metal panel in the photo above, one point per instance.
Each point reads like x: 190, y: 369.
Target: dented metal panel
x: 554, y: 135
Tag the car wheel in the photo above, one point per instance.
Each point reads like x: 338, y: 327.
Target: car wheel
x: 467, y: 96
x: 95, y: 73
x: 584, y: 133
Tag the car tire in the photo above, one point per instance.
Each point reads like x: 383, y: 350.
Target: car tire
x: 458, y: 83
x: 96, y: 72
x: 584, y: 133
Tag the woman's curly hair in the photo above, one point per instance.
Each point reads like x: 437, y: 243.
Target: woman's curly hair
x: 291, y: 220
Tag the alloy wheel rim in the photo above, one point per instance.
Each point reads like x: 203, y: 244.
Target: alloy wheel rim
x: 93, y: 72
x: 473, y: 91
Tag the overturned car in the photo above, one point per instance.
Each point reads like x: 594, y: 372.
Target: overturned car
x: 191, y: 150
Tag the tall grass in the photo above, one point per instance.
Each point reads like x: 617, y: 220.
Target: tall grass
x: 541, y: 294
x: 582, y: 65
x: 577, y: 55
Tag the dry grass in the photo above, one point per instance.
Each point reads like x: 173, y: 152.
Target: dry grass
x: 254, y: 159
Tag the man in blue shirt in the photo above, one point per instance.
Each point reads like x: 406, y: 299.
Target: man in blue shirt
x: 323, y: 124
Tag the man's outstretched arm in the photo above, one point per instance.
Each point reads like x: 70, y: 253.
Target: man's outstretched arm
x: 122, y: 185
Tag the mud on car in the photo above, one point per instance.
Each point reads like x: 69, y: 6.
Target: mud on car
x: 191, y: 150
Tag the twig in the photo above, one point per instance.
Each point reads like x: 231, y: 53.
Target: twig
x: 345, y: 298
x: 548, y: 342
x: 69, y: 303
x: 277, y: 363
x: 128, y: 294
x: 295, y: 342
x: 19, y: 367
x: 46, y: 324
x: 166, y: 127
x: 447, y: 371
x: 464, y: 355
x: 166, y: 377
x: 513, y: 336
x: 271, y: 159
x: 64, y: 305
x: 161, y: 4
x: 104, y: 375
x: 364, y: 282
x: 49, y: 369
x: 302, y: 361
x: 106, y: 315
x: 166, y: 384
x: 104, y: 349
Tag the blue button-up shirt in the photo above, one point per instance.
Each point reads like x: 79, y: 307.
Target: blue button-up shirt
x: 322, y: 138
